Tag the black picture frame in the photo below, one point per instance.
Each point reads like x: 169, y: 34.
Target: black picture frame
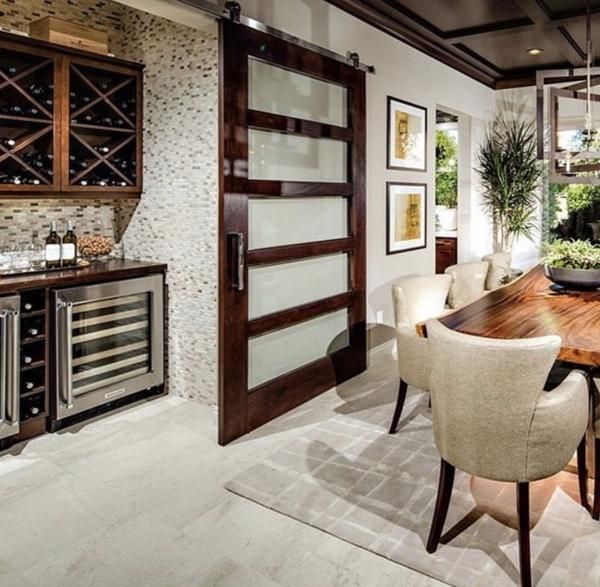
x: 390, y: 129
x: 390, y: 250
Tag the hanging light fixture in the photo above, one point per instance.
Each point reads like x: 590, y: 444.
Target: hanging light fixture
x: 589, y: 130
x: 572, y: 152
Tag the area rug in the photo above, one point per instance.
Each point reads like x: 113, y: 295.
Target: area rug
x: 348, y: 477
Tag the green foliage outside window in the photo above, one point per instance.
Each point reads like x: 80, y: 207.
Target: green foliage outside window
x: 446, y: 170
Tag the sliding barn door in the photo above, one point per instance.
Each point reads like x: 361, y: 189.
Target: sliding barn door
x: 292, y: 227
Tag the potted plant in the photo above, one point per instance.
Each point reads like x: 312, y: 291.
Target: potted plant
x: 573, y: 264
x: 510, y: 174
x: 446, y: 180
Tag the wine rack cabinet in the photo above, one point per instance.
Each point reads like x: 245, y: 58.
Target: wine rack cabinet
x: 70, y: 123
x: 33, y: 397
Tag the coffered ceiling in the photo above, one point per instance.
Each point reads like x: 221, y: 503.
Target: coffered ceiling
x: 488, y: 40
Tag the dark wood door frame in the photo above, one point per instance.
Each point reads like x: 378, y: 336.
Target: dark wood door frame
x: 240, y: 411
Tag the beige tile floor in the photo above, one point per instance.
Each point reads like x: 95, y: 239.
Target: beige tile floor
x: 136, y: 499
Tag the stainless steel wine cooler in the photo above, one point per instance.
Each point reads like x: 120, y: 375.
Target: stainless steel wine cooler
x: 109, y: 342
x: 9, y: 365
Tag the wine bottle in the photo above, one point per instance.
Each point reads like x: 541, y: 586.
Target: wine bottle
x: 28, y: 306
x: 29, y: 385
x: 69, y: 246
x: 27, y: 359
x: 33, y: 332
x: 53, y: 247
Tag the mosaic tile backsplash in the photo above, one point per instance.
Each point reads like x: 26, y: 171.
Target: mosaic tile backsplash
x: 176, y: 220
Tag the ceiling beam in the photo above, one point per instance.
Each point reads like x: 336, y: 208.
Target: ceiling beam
x: 561, y: 39
x: 523, y: 25
x: 489, y: 31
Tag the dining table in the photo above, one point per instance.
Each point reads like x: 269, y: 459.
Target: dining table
x: 532, y: 306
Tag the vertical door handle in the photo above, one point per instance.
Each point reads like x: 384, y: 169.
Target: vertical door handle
x: 65, y: 345
x: 3, y: 364
x: 14, y: 360
x: 238, y: 260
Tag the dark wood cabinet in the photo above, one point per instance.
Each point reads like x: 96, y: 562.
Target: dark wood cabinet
x: 445, y: 253
x: 70, y: 122
x: 38, y: 338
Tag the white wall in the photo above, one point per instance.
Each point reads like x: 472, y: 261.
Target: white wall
x: 407, y: 74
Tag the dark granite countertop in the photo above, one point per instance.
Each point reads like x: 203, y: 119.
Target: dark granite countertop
x: 96, y: 272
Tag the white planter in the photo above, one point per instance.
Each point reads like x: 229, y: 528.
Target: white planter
x: 448, y: 217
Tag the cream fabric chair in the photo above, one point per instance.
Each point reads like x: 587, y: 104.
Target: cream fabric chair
x: 498, y: 269
x: 594, y: 388
x: 492, y: 418
x: 416, y: 298
x: 468, y: 283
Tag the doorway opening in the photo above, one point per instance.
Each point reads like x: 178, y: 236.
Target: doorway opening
x: 446, y: 189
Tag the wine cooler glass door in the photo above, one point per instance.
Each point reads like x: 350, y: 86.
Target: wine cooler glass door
x: 9, y: 366
x: 110, y: 342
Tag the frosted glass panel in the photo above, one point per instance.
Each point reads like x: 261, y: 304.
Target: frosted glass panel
x: 284, y: 221
x: 279, y: 352
x: 284, y: 285
x: 278, y: 156
x: 280, y: 91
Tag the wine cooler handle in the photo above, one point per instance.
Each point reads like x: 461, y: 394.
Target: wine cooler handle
x: 66, y: 353
x: 239, y: 260
x: 3, y: 364
x: 15, y: 371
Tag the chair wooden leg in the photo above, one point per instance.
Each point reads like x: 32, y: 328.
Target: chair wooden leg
x: 442, y: 503
x: 524, y: 543
x: 402, y: 389
x: 582, y: 474
x: 596, y: 510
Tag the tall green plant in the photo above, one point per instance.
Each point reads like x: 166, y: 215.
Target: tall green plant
x: 510, y: 174
x: 446, y: 170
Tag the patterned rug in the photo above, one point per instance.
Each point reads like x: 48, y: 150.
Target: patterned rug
x: 348, y: 477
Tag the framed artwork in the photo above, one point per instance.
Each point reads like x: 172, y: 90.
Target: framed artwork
x: 406, y: 217
x: 406, y: 135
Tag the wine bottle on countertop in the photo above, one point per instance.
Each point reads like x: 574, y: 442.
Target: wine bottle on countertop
x: 53, y: 247
x: 69, y: 246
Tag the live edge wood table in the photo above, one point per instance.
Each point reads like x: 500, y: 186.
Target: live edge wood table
x: 527, y: 308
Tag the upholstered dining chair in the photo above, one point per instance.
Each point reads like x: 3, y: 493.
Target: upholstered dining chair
x: 493, y: 419
x: 416, y: 299
x: 595, y: 384
x: 468, y: 283
x: 498, y: 269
